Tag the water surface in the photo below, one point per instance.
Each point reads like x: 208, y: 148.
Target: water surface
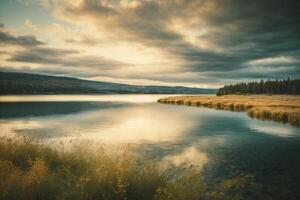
x: 220, y: 143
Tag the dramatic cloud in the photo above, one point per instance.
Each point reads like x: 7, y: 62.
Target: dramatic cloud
x: 234, y: 32
x: 208, y: 42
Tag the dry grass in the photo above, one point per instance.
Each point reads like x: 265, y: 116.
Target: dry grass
x: 29, y: 170
x: 281, y: 108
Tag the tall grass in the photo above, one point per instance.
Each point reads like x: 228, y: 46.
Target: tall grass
x: 29, y: 170
x: 280, y: 108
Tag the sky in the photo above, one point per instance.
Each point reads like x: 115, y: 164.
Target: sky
x: 196, y: 43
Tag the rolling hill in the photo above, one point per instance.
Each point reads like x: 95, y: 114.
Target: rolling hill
x: 24, y: 83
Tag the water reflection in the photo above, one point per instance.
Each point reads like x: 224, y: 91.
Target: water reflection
x: 37, y: 109
x: 124, y: 120
x: 273, y: 128
x: 108, y: 122
x: 189, y: 156
x: 221, y: 143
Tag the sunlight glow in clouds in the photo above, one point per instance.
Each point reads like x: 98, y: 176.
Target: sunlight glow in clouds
x: 203, y: 43
x: 273, y: 60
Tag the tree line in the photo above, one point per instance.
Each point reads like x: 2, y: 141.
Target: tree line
x: 286, y: 86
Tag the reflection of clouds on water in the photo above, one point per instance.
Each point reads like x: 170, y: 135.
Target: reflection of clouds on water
x: 189, y: 156
x: 273, y: 128
x: 138, y: 124
x: 11, y: 128
x: 119, y: 124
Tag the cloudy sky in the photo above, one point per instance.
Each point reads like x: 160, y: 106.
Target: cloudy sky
x: 202, y: 43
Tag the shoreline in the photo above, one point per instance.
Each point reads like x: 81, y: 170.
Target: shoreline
x: 279, y: 108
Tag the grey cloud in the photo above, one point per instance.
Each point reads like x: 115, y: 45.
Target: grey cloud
x: 63, y: 57
x: 41, y: 55
x: 263, y: 73
x: 2, y: 25
x: 256, y: 29
x: 7, y: 38
x: 145, y: 23
x: 238, y: 31
x: 245, y: 30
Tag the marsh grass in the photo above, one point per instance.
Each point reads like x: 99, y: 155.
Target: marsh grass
x: 30, y: 170
x: 280, y: 108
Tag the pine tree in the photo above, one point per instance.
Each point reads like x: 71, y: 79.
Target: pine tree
x: 288, y: 86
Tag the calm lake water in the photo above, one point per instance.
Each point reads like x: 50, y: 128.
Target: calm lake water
x: 221, y: 143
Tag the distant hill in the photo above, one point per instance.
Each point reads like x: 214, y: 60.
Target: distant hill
x: 24, y: 83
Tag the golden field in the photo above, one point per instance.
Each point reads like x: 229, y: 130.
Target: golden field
x: 281, y: 108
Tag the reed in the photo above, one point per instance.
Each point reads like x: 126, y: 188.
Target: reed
x: 32, y: 171
x: 29, y: 170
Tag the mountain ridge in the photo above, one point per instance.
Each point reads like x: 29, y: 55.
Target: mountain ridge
x: 28, y: 83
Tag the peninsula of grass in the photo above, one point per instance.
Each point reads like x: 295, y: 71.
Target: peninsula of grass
x: 280, y: 108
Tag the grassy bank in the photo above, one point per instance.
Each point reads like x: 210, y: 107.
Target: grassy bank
x: 32, y: 171
x: 281, y: 108
x: 29, y: 170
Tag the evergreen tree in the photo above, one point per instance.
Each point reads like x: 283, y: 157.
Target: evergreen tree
x: 288, y: 86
